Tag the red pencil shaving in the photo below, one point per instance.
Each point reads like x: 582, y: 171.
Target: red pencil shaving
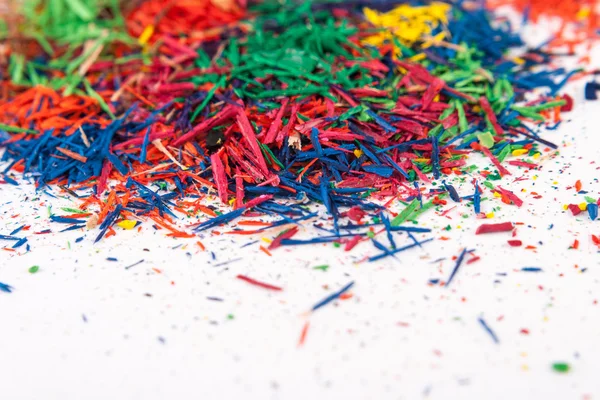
x: 493, y: 228
x: 258, y: 283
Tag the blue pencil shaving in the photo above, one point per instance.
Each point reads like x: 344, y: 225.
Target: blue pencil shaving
x: 322, y: 229
x: 221, y: 219
x: 325, y: 197
x: 456, y: 267
x: 227, y: 262
x: 489, y: 330
x: 20, y: 243
x: 452, y: 192
x: 380, y: 121
x: 314, y: 139
x: 10, y: 180
x: 526, y: 13
x: 17, y: 230
x: 367, y: 154
x: 435, y: 157
x: 461, y: 136
x: 381, y: 247
x: 536, y: 138
x: 531, y: 269
x: 396, y: 166
x: 320, y: 239
x: 398, y: 250
x: 591, y: 89
x: 414, y: 239
x: 154, y: 200
x: 466, y: 144
x: 497, y: 149
x: 62, y: 220
x: 288, y: 221
x: 108, y: 222
x: 179, y: 186
x: 419, y: 195
x: 477, y: 199
x: 380, y: 170
x: 133, y: 265
x: 332, y: 297
x: 413, y: 229
x: 307, y: 155
x: 6, y: 237
x: 592, y: 210
x: 388, y: 228
x: 6, y: 288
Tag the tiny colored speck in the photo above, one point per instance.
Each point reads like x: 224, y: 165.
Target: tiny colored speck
x: 561, y: 367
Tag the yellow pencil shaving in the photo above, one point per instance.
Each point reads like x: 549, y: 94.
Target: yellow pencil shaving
x: 408, y: 24
x: 127, y: 224
x: 519, y: 152
x: 146, y: 35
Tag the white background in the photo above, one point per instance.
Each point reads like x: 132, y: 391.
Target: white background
x: 397, y: 338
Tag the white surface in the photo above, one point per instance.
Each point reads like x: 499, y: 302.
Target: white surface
x: 397, y: 338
